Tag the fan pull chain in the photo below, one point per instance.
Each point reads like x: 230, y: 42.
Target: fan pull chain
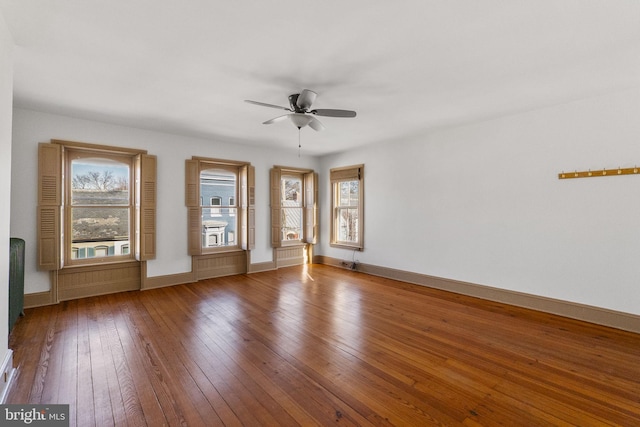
x: 299, y: 145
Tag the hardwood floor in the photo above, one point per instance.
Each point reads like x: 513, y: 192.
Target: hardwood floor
x: 317, y: 345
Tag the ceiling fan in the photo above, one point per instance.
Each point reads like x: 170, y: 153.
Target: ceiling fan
x: 300, y: 113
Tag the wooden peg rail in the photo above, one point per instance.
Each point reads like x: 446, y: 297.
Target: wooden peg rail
x: 599, y: 173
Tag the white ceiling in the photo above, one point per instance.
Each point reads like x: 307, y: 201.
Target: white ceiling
x: 406, y: 67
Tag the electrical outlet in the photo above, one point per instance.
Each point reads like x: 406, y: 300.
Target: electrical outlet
x: 351, y: 265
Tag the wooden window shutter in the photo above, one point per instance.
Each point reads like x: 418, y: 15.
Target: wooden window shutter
x: 195, y: 231
x: 49, y: 206
x: 192, y: 200
x: 247, y: 178
x: 251, y: 207
x: 147, y: 207
x: 311, y: 207
x: 192, y: 183
x: 276, y: 210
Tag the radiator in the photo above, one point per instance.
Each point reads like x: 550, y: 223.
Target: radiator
x: 16, y: 280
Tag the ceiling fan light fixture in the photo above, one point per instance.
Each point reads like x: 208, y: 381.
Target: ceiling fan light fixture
x: 300, y: 120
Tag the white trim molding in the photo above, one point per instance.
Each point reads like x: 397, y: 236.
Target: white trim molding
x: 8, y: 373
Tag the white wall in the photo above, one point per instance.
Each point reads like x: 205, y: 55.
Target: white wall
x: 30, y: 128
x: 479, y: 203
x: 482, y: 203
x: 6, y: 100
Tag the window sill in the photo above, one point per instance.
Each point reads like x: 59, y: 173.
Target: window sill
x: 221, y: 250
x: 356, y: 247
x: 289, y: 244
x: 101, y: 264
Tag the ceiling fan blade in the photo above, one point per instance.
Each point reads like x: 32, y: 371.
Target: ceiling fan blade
x: 306, y: 98
x: 315, y: 124
x: 333, y: 113
x: 263, y: 104
x: 276, y: 119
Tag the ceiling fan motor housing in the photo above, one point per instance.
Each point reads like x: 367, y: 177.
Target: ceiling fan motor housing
x: 293, y: 102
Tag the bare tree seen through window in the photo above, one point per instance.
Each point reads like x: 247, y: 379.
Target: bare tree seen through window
x: 100, y: 209
x: 348, y: 211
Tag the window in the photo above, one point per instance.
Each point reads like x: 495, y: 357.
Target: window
x: 100, y: 203
x: 347, y: 199
x: 293, y: 206
x: 102, y: 251
x: 215, y: 201
x: 223, y: 181
x: 108, y: 204
x: 213, y: 227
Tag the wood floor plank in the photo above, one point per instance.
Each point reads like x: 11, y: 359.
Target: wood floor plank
x: 230, y: 356
x: 100, y: 319
x: 329, y: 371
x: 133, y: 373
x: 30, y: 354
x: 122, y: 385
x: 163, y: 348
x: 85, y: 413
x: 317, y: 345
x: 103, y: 409
x: 68, y: 382
x: 230, y: 397
x: 349, y: 361
x: 292, y: 383
x: 179, y: 352
x: 53, y: 360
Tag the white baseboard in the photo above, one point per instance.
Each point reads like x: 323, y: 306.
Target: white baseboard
x: 6, y: 375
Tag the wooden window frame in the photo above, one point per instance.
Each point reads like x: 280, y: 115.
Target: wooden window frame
x: 337, y: 176
x: 70, y: 154
x: 309, y: 205
x: 54, y: 209
x: 245, y: 210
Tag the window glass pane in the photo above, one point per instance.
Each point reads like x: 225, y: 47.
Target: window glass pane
x: 99, y: 231
x: 99, y: 181
x: 216, y: 201
x: 291, y: 191
x: 291, y: 203
x: 348, y: 225
x: 291, y: 223
x: 344, y: 194
x: 219, y: 222
x: 354, y: 192
x: 349, y: 192
x: 220, y: 231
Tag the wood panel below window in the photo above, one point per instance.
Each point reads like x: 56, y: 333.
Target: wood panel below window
x: 79, y: 282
